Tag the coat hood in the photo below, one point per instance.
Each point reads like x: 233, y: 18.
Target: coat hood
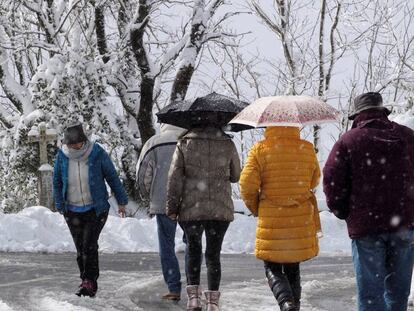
x: 282, y: 132
x: 169, y: 134
x: 171, y: 128
x: 211, y: 133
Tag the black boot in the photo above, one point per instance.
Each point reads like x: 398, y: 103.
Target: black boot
x: 88, y: 288
x: 288, y: 306
x: 293, y: 275
x: 297, y: 291
x: 79, y: 291
x: 280, y: 287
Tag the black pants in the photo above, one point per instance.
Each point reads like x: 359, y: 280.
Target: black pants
x: 215, y: 231
x: 284, y: 281
x: 85, y: 229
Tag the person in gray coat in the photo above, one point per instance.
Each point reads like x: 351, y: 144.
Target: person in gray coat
x: 152, y: 174
x: 204, y: 165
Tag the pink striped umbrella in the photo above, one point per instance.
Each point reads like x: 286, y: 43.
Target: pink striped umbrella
x: 284, y: 111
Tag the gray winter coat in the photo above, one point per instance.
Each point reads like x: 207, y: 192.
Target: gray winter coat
x: 205, y: 162
x: 153, y: 166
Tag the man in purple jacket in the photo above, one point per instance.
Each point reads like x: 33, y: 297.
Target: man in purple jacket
x: 369, y: 182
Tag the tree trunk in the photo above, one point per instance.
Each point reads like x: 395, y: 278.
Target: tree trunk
x: 321, y: 89
x: 191, y: 51
x: 144, y: 119
x: 144, y: 114
x: 181, y: 83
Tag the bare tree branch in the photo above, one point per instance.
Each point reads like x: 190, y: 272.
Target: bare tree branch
x: 321, y: 49
x: 280, y: 30
x: 333, y: 49
x: 16, y: 93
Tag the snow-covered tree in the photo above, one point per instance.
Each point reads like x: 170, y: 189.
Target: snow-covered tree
x: 110, y: 64
x: 309, y: 38
x: 338, y: 49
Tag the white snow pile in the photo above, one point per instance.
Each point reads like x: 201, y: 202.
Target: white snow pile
x: 406, y: 119
x: 4, y: 307
x: 37, y: 229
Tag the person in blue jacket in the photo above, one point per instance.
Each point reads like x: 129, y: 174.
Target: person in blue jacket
x: 80, y: 193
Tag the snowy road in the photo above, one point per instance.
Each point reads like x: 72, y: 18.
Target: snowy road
x: 132, y: 282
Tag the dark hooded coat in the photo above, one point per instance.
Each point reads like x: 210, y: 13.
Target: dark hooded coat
x: 369, y: 176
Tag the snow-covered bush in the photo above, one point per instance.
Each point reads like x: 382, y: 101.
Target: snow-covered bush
x: 66, y: 89
x: 18, y: 169
x: 108, y: 64
x: 70, y: 88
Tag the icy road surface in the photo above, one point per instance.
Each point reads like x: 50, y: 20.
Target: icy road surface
x: 46, y: 282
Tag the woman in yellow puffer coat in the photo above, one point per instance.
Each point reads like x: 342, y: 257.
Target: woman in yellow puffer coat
x: 276, y: 185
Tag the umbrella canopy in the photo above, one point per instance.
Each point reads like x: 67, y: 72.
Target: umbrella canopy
x: 284, y: 111
x: 211, y: 110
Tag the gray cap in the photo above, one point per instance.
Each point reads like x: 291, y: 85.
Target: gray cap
x: 74, y: 134
x: 370, y: 100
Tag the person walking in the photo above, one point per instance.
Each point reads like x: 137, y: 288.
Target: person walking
x: 369, y: 182
x: 204, y: 165
x: 276, y: 185
x: 152, y: 174
x: 80, y: 193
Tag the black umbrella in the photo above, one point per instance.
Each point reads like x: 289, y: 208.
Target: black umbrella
x: 211, y: 110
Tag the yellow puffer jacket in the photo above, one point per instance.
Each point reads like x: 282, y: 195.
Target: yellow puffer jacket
x: 276, y: 185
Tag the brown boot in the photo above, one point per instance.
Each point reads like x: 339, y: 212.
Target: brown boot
x: 194, y: 300
x: 212, y: 297
x: 172, y: 296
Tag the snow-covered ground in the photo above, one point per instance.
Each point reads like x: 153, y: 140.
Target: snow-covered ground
x: 37, y: 229
x: 128, y: 281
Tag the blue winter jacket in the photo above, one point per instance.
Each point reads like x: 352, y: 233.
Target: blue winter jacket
x: 101, y: 168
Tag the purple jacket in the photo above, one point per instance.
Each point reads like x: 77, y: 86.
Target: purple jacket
x: 369, y: 176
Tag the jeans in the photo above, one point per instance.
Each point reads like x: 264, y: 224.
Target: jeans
x: 85, y: 229
x: 186, y: 253
x: 383, y: 266
x: 215, y: 231
x: 169, y: 263
x: 284, y: 281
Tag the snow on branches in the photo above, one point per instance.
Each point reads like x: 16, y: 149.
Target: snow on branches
x: 110, y: 64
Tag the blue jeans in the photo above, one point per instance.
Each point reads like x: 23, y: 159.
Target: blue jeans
x: 169, y: 262
x: 185, y: 253
x: 383, y: 266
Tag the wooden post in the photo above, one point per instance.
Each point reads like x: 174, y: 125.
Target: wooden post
x: 43, y: 137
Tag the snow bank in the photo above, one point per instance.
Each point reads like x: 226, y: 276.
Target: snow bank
x: 4, y: 307
x: 406, y: 119
x: 37, y: 229
x: 335, y: 240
